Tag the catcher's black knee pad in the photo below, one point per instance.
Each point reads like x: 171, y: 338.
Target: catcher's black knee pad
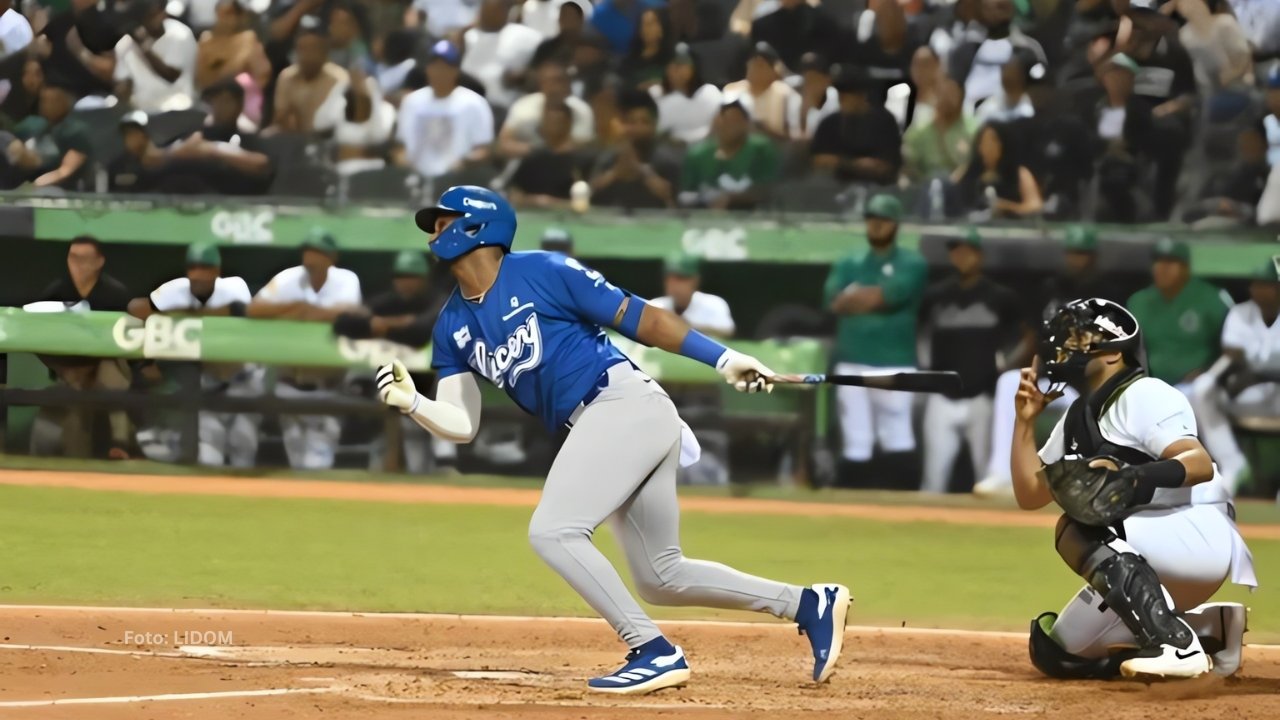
x: 1051, y: 659
x: 1131, y: 587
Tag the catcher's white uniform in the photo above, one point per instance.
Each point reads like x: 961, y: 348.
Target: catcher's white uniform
x: 1186, y: 534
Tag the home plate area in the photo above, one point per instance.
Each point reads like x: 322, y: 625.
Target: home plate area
x: 76, y: 663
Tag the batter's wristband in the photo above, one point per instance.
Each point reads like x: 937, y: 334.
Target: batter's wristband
x: 699, y: 347
x: 630, y: 323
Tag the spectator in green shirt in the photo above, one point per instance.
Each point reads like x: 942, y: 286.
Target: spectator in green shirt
x: 941, y: 144
x: 732, y: 169
x: 50, y: 149
x: 1181, y: 317
x: 876, y: 295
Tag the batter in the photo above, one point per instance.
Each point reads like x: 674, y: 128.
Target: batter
x: 532, y: 324
x: 1150, y: 573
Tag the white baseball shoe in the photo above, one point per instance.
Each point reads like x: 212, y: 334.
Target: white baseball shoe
x: 1169, y: 662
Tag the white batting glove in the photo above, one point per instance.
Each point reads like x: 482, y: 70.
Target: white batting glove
x: 395, y: 387
x: 744, y: 373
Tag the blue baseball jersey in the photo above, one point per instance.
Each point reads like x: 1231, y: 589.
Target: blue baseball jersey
x: 537, y: 333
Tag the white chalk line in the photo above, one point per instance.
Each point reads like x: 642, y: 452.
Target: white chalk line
x: 438, y: 617
x: 163, y: 698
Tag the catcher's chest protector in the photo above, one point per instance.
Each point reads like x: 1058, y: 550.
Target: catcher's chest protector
x: 1081, y: 432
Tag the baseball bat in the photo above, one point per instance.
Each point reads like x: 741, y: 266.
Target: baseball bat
x: 920, y: 381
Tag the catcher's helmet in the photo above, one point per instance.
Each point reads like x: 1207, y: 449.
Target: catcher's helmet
x: 1083, y: 328
x: 484, y: 219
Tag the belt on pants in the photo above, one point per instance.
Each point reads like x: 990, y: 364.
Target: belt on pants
x: 613, y: 373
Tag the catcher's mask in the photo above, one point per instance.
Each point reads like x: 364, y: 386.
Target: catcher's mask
x: 1081, y: 330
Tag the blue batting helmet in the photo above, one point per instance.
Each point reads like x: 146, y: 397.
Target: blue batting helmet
x: 484, y: 219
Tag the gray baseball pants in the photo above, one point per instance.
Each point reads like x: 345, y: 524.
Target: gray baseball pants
x: 619, y: 463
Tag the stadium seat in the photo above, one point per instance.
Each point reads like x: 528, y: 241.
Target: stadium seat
x: 385, y: 184
x: 166, y: 127
x: 303, y: 180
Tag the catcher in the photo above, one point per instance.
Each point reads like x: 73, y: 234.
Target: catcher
x: 1148, y: 522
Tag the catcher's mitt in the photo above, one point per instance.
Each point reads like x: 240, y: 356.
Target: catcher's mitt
x: 1094, y: 491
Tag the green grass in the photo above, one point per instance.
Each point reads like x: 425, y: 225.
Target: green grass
x: 90, y: 547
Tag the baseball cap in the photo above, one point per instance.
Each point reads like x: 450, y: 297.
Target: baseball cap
x: 204, y: 253
x: 971, y: 237
x: 884, y: 206
x: 682, y: 264
x: 813, y: 61
x: 682, y: 55
x: 1167, y: 248
x: 446, y: 51
x: 1269, y: 271
x: 409, y: 262
x: 320, y: 239
x: 1080, y: 238
x: 847, y: 78
x: 135, y: 118
x: 764, y: 50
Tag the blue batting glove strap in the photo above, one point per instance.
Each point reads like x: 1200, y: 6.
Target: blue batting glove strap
x: 699, y: 347
x: 630, y: 324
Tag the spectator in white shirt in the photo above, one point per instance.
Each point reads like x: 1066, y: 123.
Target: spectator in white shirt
x: 365, y: 127
x: 444, y: 16
x: 1271, y: 121
x: 704, y: 312
x: 316, y: 291
x: 1260, y: 20
x: 1011, y: 101
x: 15, y: 31
x: 497, y: 53
x: 686, y: 106
x: 155, y: 66
x: 443, y: 126
x: 767, y: 92
x: 544, y: 15
x: 815, y: 98
x: 520, y: 130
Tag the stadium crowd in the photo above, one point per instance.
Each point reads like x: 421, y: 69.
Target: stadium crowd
x: 1109, y: 110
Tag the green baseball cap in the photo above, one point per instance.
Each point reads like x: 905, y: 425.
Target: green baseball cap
x: 409, y: 262
x: 683, y: 264
x: 1167, y: 248
x: 1081, y: 238
x: 320, y: 239
x: 884, y: 206
x: 971, y: 237
x: 1268, y: 271
x: 203, y: 253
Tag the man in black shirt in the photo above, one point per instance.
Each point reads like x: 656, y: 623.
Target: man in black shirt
x: 80, y: 42
x: 406, y: 314
x: 968, y: 321
x: 861, y: 142
x: 795, y: 28
x: 546, y: 175
x: 87, y: 286
x: 1166, y: 82
x: 640, y: 172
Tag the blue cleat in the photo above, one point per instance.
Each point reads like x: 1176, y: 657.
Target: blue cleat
x: 824, y: 609
x: 653, y: 666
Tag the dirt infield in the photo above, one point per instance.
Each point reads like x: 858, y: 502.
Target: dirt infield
x: 457, y: 495
x: 259, y: 666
